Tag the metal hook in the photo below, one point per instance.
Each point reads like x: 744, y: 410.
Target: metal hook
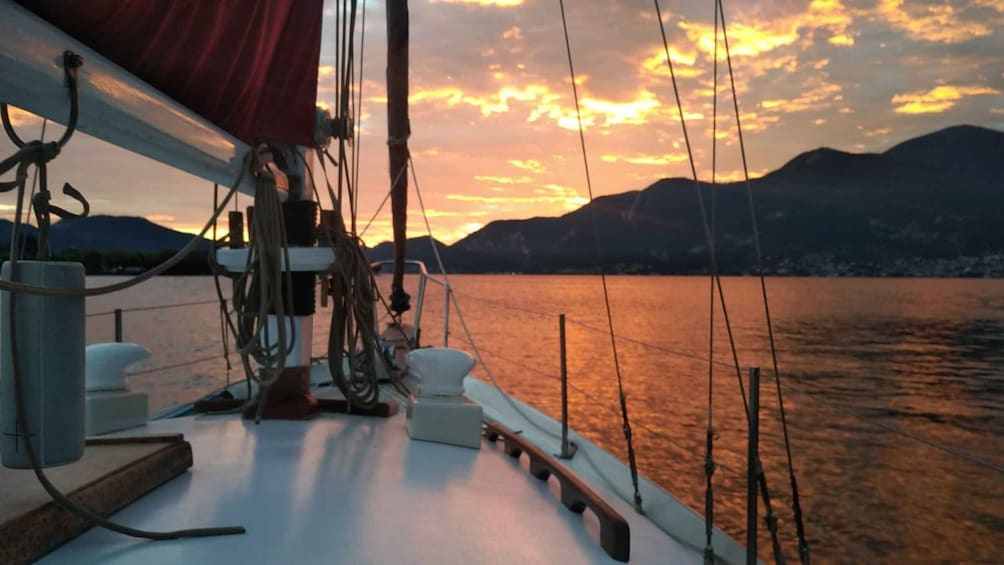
x: 76, y: 195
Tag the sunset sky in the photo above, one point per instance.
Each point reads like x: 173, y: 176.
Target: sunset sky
x: 494, y: 130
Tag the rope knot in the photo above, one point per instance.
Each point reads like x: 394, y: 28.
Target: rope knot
x: 398, y: 141
x: 39, y: 152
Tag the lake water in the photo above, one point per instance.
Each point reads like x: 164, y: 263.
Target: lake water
x: 857, y: 356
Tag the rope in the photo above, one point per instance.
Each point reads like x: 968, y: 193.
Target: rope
x: 460, y: 315
x: 375, y: 214
x: 603, y: 276
x: 713, y: 261
x: 357, y: 112
x: 709, y: 441
x: 592, y: 398
x: 189, y: 363
x: 49, y: 151
x: 155, y: 307
x: 803, y: 546
x: 265, y: 288
x: 34, y: 179
x: 11, y: 286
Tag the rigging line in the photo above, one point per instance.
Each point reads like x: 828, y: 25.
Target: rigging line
x: 803, y: 547
x: 348, y: 45
x: 847, y: 411
x: 34, y: 184
x: 709, y: 442
x: 704, y: 212
x: 188, y: 363
x: 761, y: 476
x: 385, y: 199
x: 375, y: 214
x: 337, y: 78
x: 358, y: 112
x: 460, y: 316
x: 603, y: 276
x: 592, y: 398
x: 216, y: 203
x: 664, y: 349
x: 155, y: 307
x: 585, y: 326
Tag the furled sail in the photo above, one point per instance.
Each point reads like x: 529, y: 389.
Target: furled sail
x: 250, y: 67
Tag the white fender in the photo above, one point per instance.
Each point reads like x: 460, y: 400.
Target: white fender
x: 107, y: 363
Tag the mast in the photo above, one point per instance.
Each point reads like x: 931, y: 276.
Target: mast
x: 398, y: 130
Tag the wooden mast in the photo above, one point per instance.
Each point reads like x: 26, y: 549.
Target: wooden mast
x: 398, y: 130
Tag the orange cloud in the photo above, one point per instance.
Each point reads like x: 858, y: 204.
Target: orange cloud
x: 528, y: 165
x: 566, y: 197
x: 834, y: 17
x: 745, y: 40
x: 513, y: 33
x: 646, y: 159
x: 542, y: 102
x: 503, y: 180
x: 683, y: 63
x: 821, y: 96
x: 938, y: 99
x: 934, y: 23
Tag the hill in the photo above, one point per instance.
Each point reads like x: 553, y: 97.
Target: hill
x: 933, y: 202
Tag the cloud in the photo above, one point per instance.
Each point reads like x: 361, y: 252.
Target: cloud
x: 528, y: 165
x: 513, y: 33
x: 666, y: 159
x: 566, y: 198
x: 939, y: 23
x: 503, y: 180
x: 938, y: 99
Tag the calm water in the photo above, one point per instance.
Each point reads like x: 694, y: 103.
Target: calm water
x: 922, y: 356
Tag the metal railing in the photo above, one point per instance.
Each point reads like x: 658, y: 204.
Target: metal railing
x: 423, y: 278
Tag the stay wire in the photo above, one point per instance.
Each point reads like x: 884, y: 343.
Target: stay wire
x: 34, y: 184
x: 709, y: 442
x: 770, y: 519
x: 803, y: 545
x: 603, y: 277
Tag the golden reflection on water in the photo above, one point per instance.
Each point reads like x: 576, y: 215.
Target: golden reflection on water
x: 924, y: 356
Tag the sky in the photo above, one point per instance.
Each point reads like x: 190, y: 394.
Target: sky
x: 494, y: 129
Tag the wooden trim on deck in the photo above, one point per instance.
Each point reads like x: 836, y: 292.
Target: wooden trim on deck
x: 576, y: 495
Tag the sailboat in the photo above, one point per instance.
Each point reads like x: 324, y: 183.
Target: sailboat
x: 406, y: 458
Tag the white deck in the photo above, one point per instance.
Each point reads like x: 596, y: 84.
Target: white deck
x: 352, y: 489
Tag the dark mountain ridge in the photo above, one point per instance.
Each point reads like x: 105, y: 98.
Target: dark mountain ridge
x: 931, y: 205
x: 938, y: 197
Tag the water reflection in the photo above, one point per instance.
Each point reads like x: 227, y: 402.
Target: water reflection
x: 923, y: 356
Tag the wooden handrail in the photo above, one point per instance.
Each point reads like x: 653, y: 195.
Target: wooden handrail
x: 576, y: 495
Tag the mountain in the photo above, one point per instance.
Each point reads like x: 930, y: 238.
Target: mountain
x: 6, y: 227
x: 119, y: 233
x: 418, y: 249
x: 933, y: 202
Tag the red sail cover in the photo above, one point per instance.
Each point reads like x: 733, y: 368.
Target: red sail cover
x: 248, y: 66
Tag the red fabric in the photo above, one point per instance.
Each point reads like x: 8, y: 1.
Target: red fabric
x: 249, y: 66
